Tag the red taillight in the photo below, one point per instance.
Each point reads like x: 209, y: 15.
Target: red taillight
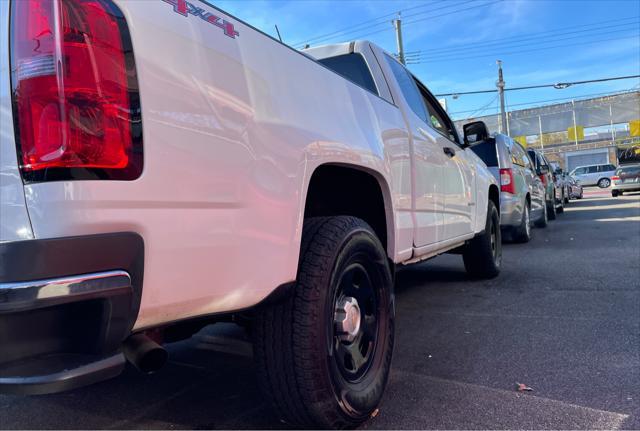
x: 543, y: 178
x: 75, y: 90
x: 506, y: 181
x: 615, y: 178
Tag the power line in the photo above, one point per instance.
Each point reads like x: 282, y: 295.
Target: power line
x: 531, y: 40
x: 452, y: 12
x: 579, y: 97
x: 484, y: 107
x: 444, y: 56
x: 559, y: 85
x: 468, y: 57
x: 515, y: 39
x: 371, y: 22
x: 361, y: 35
x: 351, y: 27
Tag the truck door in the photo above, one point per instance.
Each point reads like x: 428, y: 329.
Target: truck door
x: 428, y: 160
x: 458, y: 175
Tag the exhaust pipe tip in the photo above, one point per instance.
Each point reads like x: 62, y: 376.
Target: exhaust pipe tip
x: 144, y: 353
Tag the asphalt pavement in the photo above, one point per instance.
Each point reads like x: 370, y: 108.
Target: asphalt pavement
x: 563, y: 318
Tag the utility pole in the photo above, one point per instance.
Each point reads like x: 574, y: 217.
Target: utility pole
x: 397, y: 23
x: 500, y: 85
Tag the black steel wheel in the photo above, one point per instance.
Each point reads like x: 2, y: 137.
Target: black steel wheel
x: 354, y: 323
x: 324, y: 352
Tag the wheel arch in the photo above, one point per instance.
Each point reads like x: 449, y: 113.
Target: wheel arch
x: 346, y: 189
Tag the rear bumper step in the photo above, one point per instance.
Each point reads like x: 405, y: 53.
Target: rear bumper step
x: 36, y: 377
x: 66, y: 306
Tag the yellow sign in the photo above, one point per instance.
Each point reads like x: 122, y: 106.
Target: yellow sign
x: 634, y: 128
x: 572, y: 133
x: 522, y: 140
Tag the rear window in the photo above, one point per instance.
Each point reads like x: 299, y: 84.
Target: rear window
x: 629, y: 171
x: 487, y: 153
x: 353, y: 67
x: 605, y: 168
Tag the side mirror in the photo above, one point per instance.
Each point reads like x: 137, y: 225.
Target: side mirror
x: 475, y: 132
x: 543, y: 170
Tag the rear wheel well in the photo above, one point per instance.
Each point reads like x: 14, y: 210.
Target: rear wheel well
x: 337, y: 190
x: 494, y: 196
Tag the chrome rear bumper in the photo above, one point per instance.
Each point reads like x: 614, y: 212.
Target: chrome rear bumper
x: 66, y: 305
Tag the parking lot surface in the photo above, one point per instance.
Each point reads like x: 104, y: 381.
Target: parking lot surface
x: 563, y: 318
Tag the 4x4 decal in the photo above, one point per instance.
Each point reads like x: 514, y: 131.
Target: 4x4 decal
x: 185, y: 8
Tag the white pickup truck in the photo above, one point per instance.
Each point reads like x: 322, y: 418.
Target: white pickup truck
x: 164, y: 165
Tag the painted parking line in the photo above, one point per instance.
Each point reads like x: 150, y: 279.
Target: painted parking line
x: 440, y: 403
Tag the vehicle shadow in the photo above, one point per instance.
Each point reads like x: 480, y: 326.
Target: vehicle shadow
x: 593, y: 202
x: 199, y: 388
x: 203, y: 386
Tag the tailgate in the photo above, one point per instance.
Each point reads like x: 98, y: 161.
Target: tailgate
x: 14, y: 220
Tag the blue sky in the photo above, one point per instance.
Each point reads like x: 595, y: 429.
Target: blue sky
x: 539, y: 41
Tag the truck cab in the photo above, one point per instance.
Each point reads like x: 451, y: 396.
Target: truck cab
x: 449, y: 178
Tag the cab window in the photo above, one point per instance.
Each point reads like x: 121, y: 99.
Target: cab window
x: 354, y: 68
x: 438, y: 119
x: 592, y: 169
x: 408, y: 88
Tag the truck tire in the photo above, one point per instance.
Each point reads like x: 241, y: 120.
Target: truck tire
x: 482, y: 256
x: 324, y: 352
x: 522, y: 233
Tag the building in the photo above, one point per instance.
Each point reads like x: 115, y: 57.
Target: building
x: 581, y: 132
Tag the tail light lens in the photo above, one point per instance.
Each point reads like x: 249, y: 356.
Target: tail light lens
x: 615, y: 178
x: 75, y: 91
x: 506, y: 181
x: 543, y: 178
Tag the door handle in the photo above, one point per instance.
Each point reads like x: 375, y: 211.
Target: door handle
x: 449, y: 151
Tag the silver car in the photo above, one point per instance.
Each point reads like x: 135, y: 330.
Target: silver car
x: 592, y: 175
x: 522, y: 194
x: 626, y: 179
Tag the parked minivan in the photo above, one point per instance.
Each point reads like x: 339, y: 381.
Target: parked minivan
x: 592, y: 175
x: 522, y: 195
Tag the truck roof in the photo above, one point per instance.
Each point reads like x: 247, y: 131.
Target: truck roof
x: 335, y: 49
